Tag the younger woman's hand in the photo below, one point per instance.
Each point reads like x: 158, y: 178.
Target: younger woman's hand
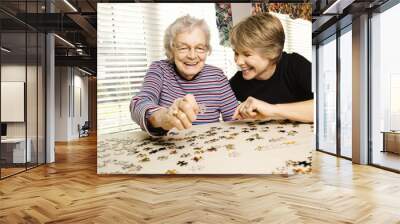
x: 253, y: 108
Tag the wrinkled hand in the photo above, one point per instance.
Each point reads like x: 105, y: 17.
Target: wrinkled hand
x: 180, y: 114
x: 253, y: 108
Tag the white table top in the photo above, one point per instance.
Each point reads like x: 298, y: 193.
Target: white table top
x: 217, y: 148
x: 12, y: 140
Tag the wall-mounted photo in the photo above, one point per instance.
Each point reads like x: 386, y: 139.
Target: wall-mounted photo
x: 216, y: 88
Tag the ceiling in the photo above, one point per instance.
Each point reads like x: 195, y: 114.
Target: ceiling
x: 328, y: 16
x: 76, y: 22
x: 72, y: 20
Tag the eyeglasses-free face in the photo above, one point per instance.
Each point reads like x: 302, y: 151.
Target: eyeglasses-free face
x: 253, y: 65
x: 190, y: 53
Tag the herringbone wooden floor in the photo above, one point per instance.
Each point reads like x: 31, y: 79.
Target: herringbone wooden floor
x: 70, y: 191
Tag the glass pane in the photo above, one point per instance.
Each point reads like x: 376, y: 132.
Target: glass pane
x: 31, y: 97
x: 31, y: 85
x: 386, y: 89
x: 13, y: 86
x: 327, y: 96
x: 41, y: 98
x: 345, y: 94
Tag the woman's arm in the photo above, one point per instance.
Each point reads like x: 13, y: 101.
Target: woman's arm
x: 146, y: 101
x: 299, y: 111
x: 253, y: 108
x: 180, y: 114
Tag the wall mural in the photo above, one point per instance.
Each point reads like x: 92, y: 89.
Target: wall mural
x: 224, y: 22
x: 224, y: 14
x: 294, y: 10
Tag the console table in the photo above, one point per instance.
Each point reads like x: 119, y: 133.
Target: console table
x: 13, y: 150
x: 391, y: 141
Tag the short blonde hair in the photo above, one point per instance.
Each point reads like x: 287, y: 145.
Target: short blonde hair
x: 184, y: 24
x: 262, y: 32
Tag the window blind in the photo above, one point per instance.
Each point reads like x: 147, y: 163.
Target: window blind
x: 298, y: 35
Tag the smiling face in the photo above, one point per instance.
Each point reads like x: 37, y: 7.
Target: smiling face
x: 253, y: 65
x: 190, y: 53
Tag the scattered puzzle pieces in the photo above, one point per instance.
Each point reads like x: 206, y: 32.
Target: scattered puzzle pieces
x: 192, y: 147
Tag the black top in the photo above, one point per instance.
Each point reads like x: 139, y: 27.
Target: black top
x: 291, y: 82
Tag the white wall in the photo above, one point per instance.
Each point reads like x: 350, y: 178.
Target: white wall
x: 62, y: 80
x: 14, y: 73
x: 81, y: 94
x: 70, y: 83
x: 12, y: 101
x: 240, y: 11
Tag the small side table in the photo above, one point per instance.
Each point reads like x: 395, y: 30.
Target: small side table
x: 391, y: 141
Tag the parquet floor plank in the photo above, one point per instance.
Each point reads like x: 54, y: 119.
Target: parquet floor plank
x: 70, y: 191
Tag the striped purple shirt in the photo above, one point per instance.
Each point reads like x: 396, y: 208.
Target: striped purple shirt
x: 162, y: 85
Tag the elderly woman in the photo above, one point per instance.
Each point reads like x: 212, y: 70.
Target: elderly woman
x: 183, y: 90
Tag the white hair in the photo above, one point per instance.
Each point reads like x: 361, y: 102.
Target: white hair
x: 180, y: 25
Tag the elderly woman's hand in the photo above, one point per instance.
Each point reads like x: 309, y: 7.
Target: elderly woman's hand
x: 180, y: 114
x: 253, y: 108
